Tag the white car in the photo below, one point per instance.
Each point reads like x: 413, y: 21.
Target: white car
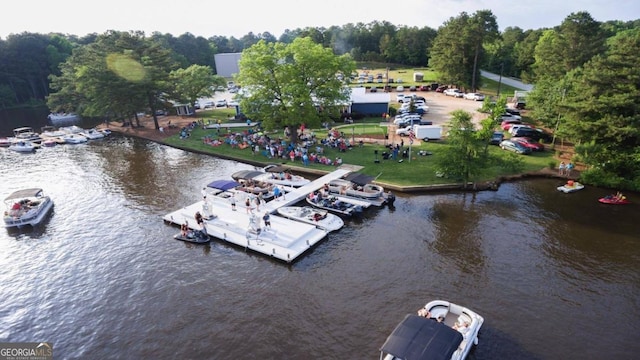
x: 221, y: 103
x: 474, y: 96
x: 454, y: 92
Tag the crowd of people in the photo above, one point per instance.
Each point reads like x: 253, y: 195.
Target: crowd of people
x: 307, y: 150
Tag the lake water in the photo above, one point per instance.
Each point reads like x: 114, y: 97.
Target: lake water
x: 556, y: 276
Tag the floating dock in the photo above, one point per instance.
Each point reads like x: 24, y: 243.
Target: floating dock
x: 285, y: 240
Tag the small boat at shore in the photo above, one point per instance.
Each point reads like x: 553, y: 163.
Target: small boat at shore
x: 336, y: 204
x: 319, y: 218
x: 22, y: 146
x: 570, y: 186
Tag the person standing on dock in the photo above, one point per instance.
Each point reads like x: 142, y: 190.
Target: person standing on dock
x: 257, y: 200
x: 232, y: 199
x: 267, y: 220
x: 204, y: 193
x: 247, y: 203
x: 276, y: 193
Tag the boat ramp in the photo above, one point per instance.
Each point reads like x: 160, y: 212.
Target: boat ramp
x: 285, y: 240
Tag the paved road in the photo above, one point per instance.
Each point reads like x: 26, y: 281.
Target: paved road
x: 507, y: 81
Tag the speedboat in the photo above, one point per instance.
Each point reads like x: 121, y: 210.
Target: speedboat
x: 26, y: 207
x: 320, y: 218
x: 74, y: 139
x: 352, y: 189
x: 279, y: 175
x: 92, y: 134
x: 570, y: 186
x: 58, y: 118
x: 440, y: 330
x: 22, y: 146
x: 339, y: 205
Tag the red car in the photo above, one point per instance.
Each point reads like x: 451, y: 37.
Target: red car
x: 506, y: 124
x: 530, y: 143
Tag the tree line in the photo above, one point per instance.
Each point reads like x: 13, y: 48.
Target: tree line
x: 463, y: 43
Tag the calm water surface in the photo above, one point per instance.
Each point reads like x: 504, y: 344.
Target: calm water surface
x: 556, y: 276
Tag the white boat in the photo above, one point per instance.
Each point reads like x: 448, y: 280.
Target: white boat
x: 279, y: 175
x: 59, y: 118
x: 51, y: 132
x: 22, y: 146
x: 307, y: 214
x: 92, y: 134
x: 336, y: 204
x: 74, y: 139
x: 570, y: 186
x: 26, y: 133
x: 349, y: 188
x: 26, y: 207
x: 440, y: 330
x: 73, y: 129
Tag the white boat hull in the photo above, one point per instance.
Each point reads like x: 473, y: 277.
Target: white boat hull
x: 307, y: 214
x: 32, y: 214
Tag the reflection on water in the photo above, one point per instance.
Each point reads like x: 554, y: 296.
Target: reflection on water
x: 103, y: 278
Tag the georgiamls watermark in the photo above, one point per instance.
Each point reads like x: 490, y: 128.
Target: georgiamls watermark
x: 26, y: 351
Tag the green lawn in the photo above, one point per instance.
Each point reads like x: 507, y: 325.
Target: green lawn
x: 416, y: 170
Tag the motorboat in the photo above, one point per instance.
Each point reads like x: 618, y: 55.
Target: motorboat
x: 92, y: 134
x: 352, y: 189
x: 222, y: 185
x: 26, y: 133
x: 314, y: 216
x: 249, y: 183
x: 74, y: 139
x: 280, y: 175
x: 22, y: 146
x: 193, y: 236
x: 6, y: 142
x: 570, y: 186
x: 440, y: 330
x: 339, y: 205
x: 62, y: 118
x: 614, y: 199
x: 26, y: 207
x: 72, y: 129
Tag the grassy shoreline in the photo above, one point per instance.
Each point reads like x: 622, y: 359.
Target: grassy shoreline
x: 412, y: 174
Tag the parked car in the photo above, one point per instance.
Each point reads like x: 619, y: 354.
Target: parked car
x: 441, y: 88
x: 208, y: 104
x: 196, y: 105
x: 515, y: 127
x: 530, y: 143
x: 474, y: 96
x: 506, y: 124
x: 514, y: 146
x: 507, y: 116
x: 400, y: 88
x: 496, y: 138
x: 413, y: 88
x: 410, y: 122
x: 535, y: 134
x: 424, y: 88
x: 454, y: 92
x: 221, y: 103
x: 512, y: 111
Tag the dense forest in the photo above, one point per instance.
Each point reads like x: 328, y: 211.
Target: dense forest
x: 585, y: 72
